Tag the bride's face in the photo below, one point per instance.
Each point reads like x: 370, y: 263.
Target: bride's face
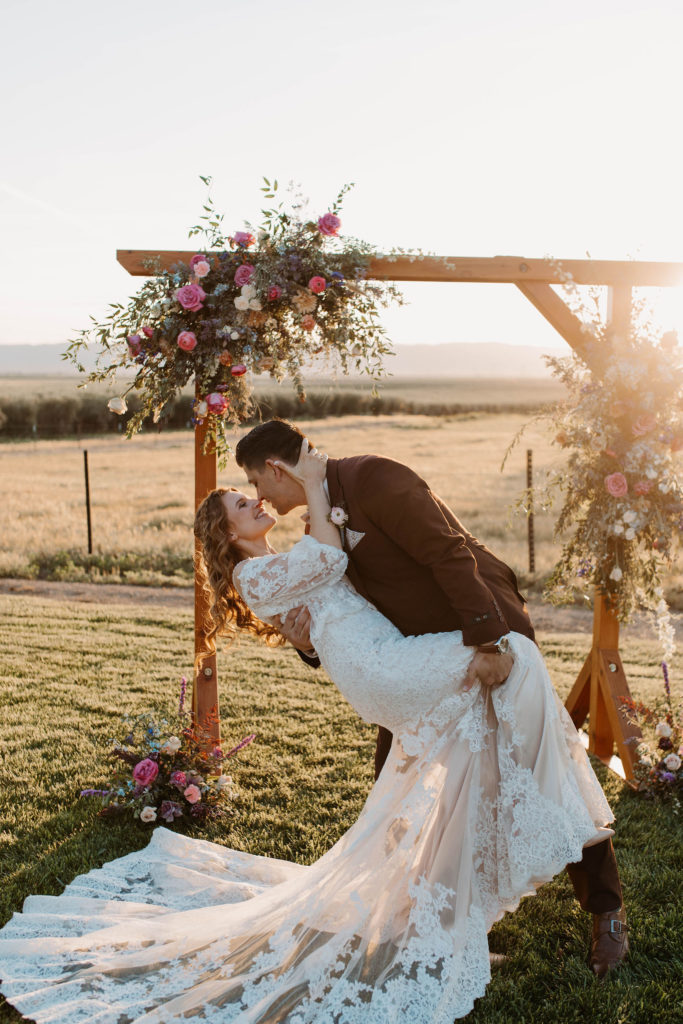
x: 248, y: 518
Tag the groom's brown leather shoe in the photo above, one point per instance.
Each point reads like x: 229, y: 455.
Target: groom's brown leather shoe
x: 609, y: 941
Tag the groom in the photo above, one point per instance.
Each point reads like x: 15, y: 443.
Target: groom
x: 424, y: 571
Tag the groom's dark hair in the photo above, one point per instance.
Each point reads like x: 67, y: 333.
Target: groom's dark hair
x: 274, y: 439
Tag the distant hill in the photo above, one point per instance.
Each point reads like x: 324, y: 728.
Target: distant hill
x: 453, y: 360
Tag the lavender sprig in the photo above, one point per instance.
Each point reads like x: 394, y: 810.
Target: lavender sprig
x: 667, y: 686
x: 240, y: 746
x: 95, y: 792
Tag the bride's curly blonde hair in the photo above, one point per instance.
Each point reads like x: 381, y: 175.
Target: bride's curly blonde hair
x: 215, y: 560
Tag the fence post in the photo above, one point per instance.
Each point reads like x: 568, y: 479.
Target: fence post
x: 530, y: 512
x: 87, y: 499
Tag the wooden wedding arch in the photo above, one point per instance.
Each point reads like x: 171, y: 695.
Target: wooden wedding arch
x: 602, y: 681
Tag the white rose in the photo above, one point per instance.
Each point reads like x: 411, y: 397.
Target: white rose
x: 148, y: 814
x: 630, y: 533
x: 255, y: 304
x: 663, y: 729
x: 241, y: 302
x: 117, y: 405
x: 618, y: 528
x: 234, y: 335
x: 201, y: 410
x: 171, y: 746
x: 248, y: 291
x: 630, y: 516
x: 673, y: 762
x: 651, y: 473
x: 616, y: 574
x: 223, y: 781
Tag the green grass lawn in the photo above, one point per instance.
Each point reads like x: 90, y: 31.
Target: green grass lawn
x: 69, y: 670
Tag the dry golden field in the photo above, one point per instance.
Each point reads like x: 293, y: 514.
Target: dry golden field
x: 142, y: 489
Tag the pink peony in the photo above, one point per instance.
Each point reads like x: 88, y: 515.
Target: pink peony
x: 192, y: 794
x: 148, y: 332
x: 244, y: 274
x: 329, y: 224
x: 217, y: 403
x: 616, y: 485
x: 134, y: 344
x: 191, y: 297
x: 317, y: 285
x: 644, y: 424
x: 187, y: 340
x: 643, y: 487
x: 308, y: 322
x: 274, y: 293
x: 197, y: 258
x: 145, y: 772
x: 238, y: 370
x: 201, y: 268
x: 179, y: 780
x: 243, y: 238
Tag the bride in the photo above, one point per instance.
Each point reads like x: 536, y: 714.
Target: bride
x: 487, y: 793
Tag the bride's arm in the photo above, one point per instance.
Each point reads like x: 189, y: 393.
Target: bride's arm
x: 310, y: 472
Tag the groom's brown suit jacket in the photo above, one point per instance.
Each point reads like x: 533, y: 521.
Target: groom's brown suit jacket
x: 415, y: 561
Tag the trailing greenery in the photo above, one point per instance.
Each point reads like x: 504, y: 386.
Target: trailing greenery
x: 69, y: 671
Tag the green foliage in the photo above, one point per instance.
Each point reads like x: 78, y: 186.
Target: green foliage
x: 151, y: 567
x: 70, y: 670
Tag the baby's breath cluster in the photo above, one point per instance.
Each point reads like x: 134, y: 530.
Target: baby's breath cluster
x: 266, y: 300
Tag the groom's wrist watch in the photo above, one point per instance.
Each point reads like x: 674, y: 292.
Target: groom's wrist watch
x: 501, y: 646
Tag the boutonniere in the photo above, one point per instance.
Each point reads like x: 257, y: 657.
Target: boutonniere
x: 338, y: 516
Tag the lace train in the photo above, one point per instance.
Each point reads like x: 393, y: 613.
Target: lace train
x: 486, y: 797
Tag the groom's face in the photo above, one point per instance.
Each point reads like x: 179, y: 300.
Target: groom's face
x: 276, y: 487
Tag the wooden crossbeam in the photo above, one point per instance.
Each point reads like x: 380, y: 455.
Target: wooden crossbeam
x: 495, y: 270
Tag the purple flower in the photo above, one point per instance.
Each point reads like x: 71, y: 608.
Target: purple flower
x: 183, y: 691
x: 665, y: 673
x: 170, y: 810
x: 95, y: 792
x: 243, y: 743
x: 668, y: 777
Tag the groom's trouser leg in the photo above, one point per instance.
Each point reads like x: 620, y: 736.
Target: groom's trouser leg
x: 384, y: 738
x: 596, y: 879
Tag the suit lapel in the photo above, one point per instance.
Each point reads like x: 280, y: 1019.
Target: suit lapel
x: 337, y: 497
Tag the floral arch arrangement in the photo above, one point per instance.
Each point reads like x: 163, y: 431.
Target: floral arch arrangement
x: 265, y: 300
x: 621, y: 427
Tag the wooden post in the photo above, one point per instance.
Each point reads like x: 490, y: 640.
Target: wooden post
x: 87, y: 499
x: 205, y: 708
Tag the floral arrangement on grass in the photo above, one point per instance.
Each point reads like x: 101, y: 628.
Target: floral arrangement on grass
x: 163, y: 772
x: 621, y: 428
x: 659, y: 767
x: 261, y: 300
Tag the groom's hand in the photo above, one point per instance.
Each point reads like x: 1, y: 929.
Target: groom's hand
x: 488, y: 669
x: 295, y: 627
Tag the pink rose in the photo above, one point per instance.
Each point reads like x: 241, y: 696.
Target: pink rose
x: 179, y: 780
x: 238, y: 370
x: 197, y: 258
x: 243, y: 238
x: 274, y: 293
x: 317, y: 285
x: 616, y: 485
x: 644, y: 424
x: 643, y: 487
x: 329, y: 224
x: 145, y: 772
x: 201, y: 268
x: 308, y: 322
x: 217, y: 403
x: 187, y: 340
x: 192, y: 794
x: 244, y: 274
x: 134, y: 344
x: 191, y: 297
x: 148, y: 332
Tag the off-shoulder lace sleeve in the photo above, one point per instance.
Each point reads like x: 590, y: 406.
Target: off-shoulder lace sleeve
x: 275, y: 583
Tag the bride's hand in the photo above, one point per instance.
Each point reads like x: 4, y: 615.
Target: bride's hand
x: 311, y: 467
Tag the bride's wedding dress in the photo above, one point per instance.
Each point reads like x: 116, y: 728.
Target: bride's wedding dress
x: 486, y: 794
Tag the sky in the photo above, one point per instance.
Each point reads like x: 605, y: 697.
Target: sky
x: 532, y: 128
